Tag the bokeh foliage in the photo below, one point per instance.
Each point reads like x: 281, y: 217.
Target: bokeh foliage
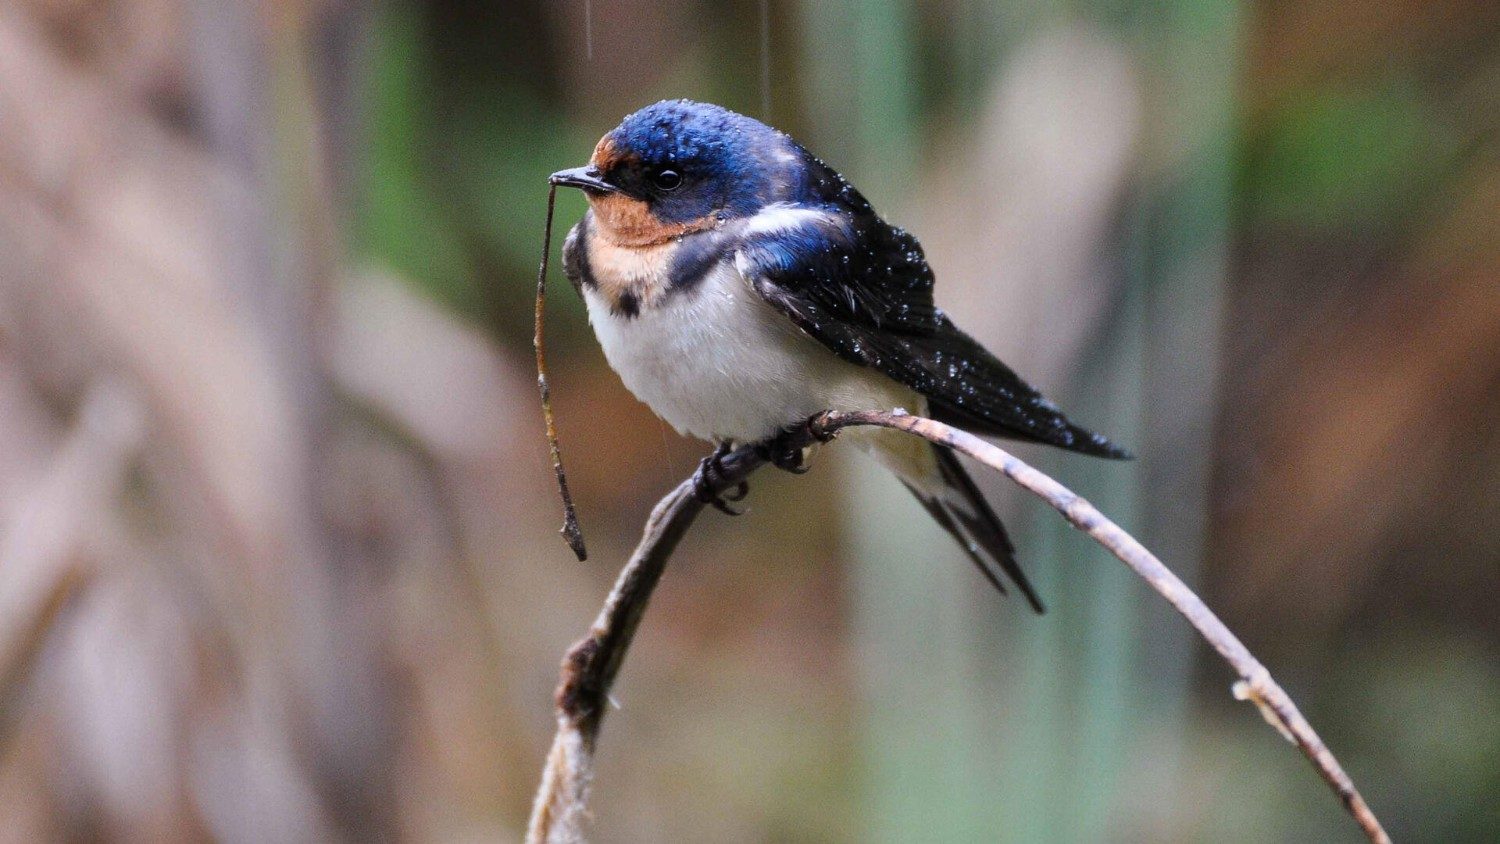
x: 268, y: 423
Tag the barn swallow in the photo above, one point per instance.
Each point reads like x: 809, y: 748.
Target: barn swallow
x: 739, y: 286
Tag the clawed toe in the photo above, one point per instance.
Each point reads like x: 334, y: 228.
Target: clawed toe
x: 710, y: 474
x: 790, y: 461
x: 785, y: 452
x: 723, y: 507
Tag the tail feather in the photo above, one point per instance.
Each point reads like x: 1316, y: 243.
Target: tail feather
x: 943, y: 515
x: 963, y: 512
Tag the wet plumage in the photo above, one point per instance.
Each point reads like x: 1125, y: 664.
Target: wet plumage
x: 739, y: 286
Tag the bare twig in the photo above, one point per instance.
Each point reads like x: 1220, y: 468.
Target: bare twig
x: 590, y: 667
x: 570, y: 529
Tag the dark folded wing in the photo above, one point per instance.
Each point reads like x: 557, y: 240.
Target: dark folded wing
x: 863, y: 289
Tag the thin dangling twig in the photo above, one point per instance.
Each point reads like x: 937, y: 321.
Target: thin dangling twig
x: 570, y: 529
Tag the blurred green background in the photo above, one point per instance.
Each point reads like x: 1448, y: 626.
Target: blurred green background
x: 277, y: 551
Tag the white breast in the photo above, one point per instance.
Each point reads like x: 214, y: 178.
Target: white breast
x: 717, y: 362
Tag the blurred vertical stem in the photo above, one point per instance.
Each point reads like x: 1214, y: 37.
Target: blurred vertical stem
x: 1182, y: 256
x: 922, y: 779
x: 400, y: 223
x: 950, y: 754
x: 862, y: 90
x: 1176, y: 246
x: 282, y: 252
x: 1151, y: 381
x: 1081, y: 697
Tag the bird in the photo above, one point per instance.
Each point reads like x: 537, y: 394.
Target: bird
x: 739, y: 287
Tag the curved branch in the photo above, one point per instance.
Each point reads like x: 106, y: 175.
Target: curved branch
x: 590, y: 667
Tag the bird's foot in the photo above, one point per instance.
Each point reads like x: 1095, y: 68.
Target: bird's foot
x: 785, y: 450
x: 710, y: 474
x: 781, y: 452
x: 815, y: 430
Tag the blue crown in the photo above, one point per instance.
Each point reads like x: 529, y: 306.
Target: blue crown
x: 674, y: 131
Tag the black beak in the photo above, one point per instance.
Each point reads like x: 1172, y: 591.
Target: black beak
x: 589, y: 178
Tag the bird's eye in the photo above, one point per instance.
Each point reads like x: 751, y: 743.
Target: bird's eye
x: 667, y: 179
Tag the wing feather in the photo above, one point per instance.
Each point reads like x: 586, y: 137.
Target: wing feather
x: 863, y: 289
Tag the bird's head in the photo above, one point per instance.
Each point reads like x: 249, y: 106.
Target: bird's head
x: 680, y: 166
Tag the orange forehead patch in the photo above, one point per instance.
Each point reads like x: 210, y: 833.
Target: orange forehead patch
x: 606, y: 154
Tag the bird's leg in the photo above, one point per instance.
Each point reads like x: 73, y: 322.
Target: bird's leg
x: 710, y: 474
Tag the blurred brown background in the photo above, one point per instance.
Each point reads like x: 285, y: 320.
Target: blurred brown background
x: 277, y: 532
